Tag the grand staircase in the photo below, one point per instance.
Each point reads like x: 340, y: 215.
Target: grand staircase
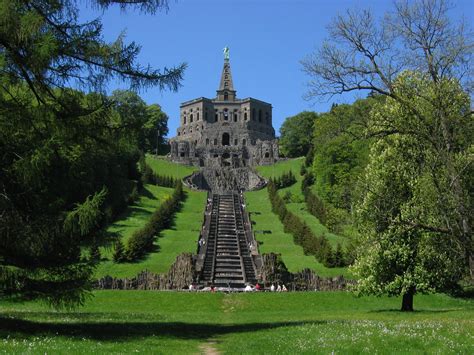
x: 228, y: 261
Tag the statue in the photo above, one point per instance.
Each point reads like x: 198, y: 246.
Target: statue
x: 226, y: 53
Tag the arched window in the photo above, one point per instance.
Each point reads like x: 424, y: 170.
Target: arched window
x: 191, y: 118
x: 245, y: 116
x: 184, y: 120
x: 259, y: 115
x: 225, y: 139
x: 226, y: 114
x: 236, y: 142
x: 244, y: 142
x: 216, y: 117
x: 235, y: 116
x: 207, y: 141
x: 215, y: 141
x: 197, y: 116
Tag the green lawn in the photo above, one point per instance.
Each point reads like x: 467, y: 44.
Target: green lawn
x: 164, y: 167
x: 269, y: 230
x: 182, y: 237
x: 271, y: 237
x: 277, y: 323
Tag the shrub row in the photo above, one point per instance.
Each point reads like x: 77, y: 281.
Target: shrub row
x: 142, y: 240
x: 285, y: 180
x: 150, y: 177
x: 302, y: 235
x: 333, y: 218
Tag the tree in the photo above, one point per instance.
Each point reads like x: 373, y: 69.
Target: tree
x: 119, y: 252
x: 64, y: 160
x: 155, y: 130
x: 341, y: 151
x: 416, y: 210
x: 295, y: 137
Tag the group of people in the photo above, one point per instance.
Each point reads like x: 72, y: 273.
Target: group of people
x: 279, y: 288
x: 248, y: 288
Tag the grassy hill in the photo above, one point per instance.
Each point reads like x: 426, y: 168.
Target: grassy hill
x: 164, y: 167
x: 283, y: 323
x: 269, y: 230
x: 182, y: 237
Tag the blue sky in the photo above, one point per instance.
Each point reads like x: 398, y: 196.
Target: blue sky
x: 267, y: 40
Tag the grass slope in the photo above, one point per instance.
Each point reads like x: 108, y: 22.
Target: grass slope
x: 269, y: 230
x: 283, y: 323
x: 182, y: 237
x: 167, y: 168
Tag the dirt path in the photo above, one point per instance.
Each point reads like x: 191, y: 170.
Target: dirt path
x: 209, y: 348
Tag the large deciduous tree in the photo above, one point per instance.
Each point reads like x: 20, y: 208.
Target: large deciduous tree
x: 65, y: 162
x: 416, y: 213
x: 295, y: 134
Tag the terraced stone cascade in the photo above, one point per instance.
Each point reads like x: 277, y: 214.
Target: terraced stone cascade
x: 228, y: 260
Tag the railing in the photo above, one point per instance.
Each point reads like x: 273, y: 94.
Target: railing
x: 236, y: 214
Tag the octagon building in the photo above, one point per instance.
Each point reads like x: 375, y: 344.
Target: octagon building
x: 225, y: 131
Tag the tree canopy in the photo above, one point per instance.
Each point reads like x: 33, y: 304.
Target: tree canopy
x: 295, y: 137
x: 416, y: 207
x: 67, y: 163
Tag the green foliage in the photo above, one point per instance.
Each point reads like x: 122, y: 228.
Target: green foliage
x: 155, y: 130
x: 119, y: 252
x: 68, y: 161
x: 285, y: 180
x: 341, y: 152
x: 294, y: 138
x: 302, y: 234
x: 94, y: 253
x: 86, y: 216
x: 150, y: 177
x: 414, y: 211
x: 142, y: 240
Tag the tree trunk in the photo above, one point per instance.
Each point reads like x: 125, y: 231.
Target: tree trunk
x: 407, y: 302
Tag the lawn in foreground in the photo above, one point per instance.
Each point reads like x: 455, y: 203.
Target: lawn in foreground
x: 306, y: 322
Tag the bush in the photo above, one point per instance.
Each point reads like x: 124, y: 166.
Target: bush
x: 302, y: 234
x: 142, y: 240
x: 95, y: 253
x: 119, y: 252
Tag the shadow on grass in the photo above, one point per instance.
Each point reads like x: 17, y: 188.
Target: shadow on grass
x: 415, y: 311
x: 116, y: 331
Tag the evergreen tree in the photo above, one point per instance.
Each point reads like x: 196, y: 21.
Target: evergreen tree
x: 65, y: 159
x: 119, y: 252
x: 95, y: 253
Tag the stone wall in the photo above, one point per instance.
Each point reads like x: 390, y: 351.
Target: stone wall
x: 180, y: 275
x: 223, y: 180
x: 274, y: 271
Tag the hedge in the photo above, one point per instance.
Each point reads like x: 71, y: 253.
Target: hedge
x: 302, y: 234
x: 142, y: 240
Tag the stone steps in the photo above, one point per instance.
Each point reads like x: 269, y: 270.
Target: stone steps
x: 227, y: 260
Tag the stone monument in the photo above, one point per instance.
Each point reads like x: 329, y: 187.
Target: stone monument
x: 225, y: 136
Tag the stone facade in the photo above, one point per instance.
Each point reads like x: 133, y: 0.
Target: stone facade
x: 225, y: 131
